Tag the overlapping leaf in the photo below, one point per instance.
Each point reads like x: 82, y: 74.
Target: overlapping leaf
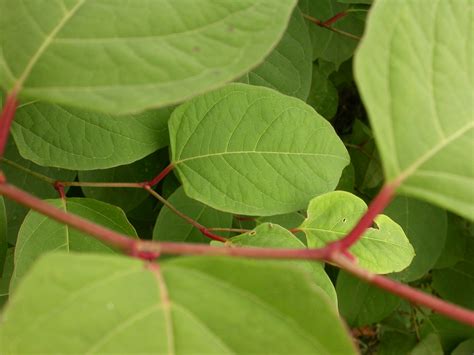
x: 121, y: 56
x: 185, y: 305
x: 269, y: 235
x: 40, y: 234
x: 252, y: 151
x: 382, y: 249
x: 287, y: 68
x: 415, y: 72
x: 71, y: 138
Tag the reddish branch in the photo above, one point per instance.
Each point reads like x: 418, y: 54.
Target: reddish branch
x: 160, y: 176
x: 151, y: 250
x: 6, y: 120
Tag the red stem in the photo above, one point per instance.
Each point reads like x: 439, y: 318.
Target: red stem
x: 160, y: 176
x: 377, y: 205
x: 413, y: 295
x: 6, y: 120
x: 103, y: 234
x: 151, y: 250
x: 335, y: 18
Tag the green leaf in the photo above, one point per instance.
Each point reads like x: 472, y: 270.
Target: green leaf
x: 347, y: 181
x: 419, y: 97
x: 430, y: 345
x: 395, y: 343
x: 40, y: 234
x: 118, y: 57
x: 465, y: 348
x: 288, y: 67
x: 26, y: 181
x: 450, y: 332
x: 3, y: 234
x: 361, y: 303
x: 269, y: 235
x: 172, y: 227
x: 70, y: 138
x: 125, y: 198
x: 6, y: 276
x: 183, y: 306
x: 327, y: 45
x: 456, y: 244
x: 382, y: 249
x: 323, y: 96
x: 364, y: 156
x: 456, y: 283
x: 425, y: 226
x: 250, y: 150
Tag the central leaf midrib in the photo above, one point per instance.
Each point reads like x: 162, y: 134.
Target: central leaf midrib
x: 45, y: 44
x: 256, y: 153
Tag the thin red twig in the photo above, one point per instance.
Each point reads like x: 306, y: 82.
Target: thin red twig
x: 160, y: 176
x: 411, y: 294
x: 6, y: 120
x: 150, y: 250
x: 335, y: 18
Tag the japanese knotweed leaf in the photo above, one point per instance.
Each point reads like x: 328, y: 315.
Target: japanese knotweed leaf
x: 288, y: 67
x: 171, y: 227
x: 425, y: 226
x: 466, y: 347
x: 13, y: 166
x: 71, y: 138
x: 39, y: 234
x: 6, y: 276
x: 415, y: 72
x: 125, y: 56
x: 363, y: 304
x: 428, y: 345
x: 253, y: 151
x: 382, y: 249
x: 182, y: 306
x: 268, y: 235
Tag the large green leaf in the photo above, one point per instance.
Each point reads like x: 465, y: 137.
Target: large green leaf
x: 111, y: 304
x: 288, y: 67
x: 456, y: 283
x: 458, y: 240
x: 449, y: 331
x: 6, y: 276
x: 269, y: 235
x: 323, y: 95
x: 40, y: 234
x: 26, y: 181
x: 69, y: 138
x: 382, y: 249
x: 122, y: 56
x: 425, y: 226
x: 415, y: 73
x: 125, y: 198
x: 361, y: 303
x: 253, y: 151
x: 171, y: 227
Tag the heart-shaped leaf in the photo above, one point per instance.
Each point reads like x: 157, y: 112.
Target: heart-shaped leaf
x: 124, y: 56
x: 111, y: 304
x: 253, y: 151
x: 382, y: 249
x: 414, y: 70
